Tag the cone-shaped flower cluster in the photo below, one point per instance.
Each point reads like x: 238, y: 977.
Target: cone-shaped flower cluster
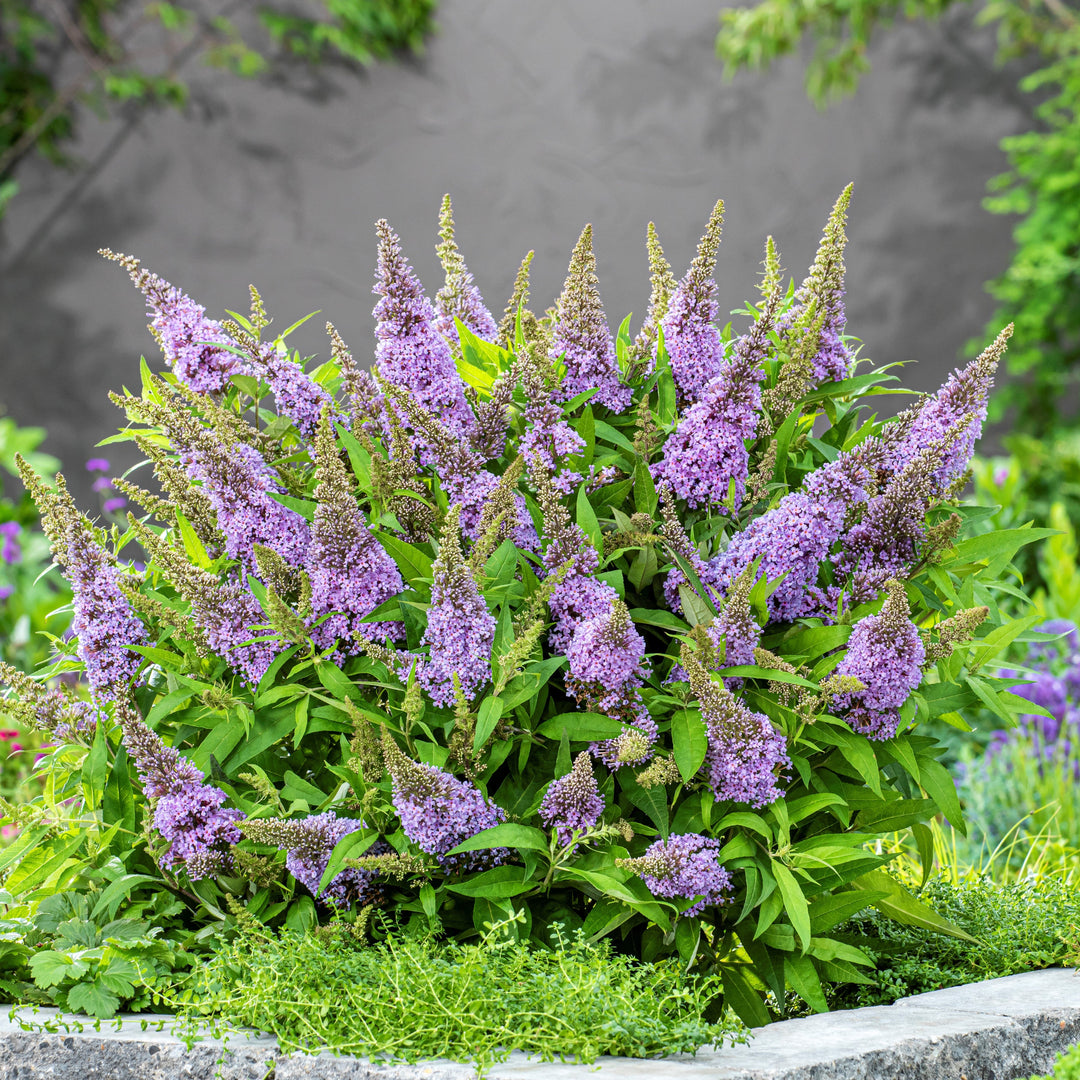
x: 606, y: 661
x: 961, y: 403
x: 885, y: 653
x: 189, y: 812
x: 707, y: 452
x: 438, y: 811
x: 683, y: 867
x: 196, y: 348
x: 460, y: 629
x: 296, y: 394
x: 53, y: 710
x: 103, y: 620
x: 580, y: 595
x: 573, y: 802
x: 662, y: 285
x: 692, y: 341
x: 350, y: 572
x: 746, y: 755
x: 411, y: 353
x: 793, y: 538
x: 581, y: 335
x: 309, y: 843
x: 459, y: 297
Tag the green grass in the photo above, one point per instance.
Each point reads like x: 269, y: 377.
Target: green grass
x: 407, y: 999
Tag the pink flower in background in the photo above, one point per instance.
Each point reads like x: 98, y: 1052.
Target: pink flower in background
x: 1001, y: 474
x: 9, y: 831
x: 8, y: 734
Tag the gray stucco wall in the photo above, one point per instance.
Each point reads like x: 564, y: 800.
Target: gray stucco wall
x: 537, y: 115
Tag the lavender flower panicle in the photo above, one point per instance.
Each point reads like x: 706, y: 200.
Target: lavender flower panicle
x: 188, y: 812
x: 55, y: 710
x: 831, y: 360
x: 606, y: 661
x: 580, y: 333
x: 573, y: 802
x: 438, y: 811
x: 794, y: 537
x: 350, y: 572
x: 707, y: 452
x: 580, y: 595
x: 196, y: 348
x: 296, y: 394
x: 459, y: 296
x: 959, y: 404
x: 460, y: 629
x: 103, y: 621
x: 410, y: 352
x: 692, y: 341
x: 685, y: 866
x: 662, y: 285
x: 309, y: 843
x: 886, y: 654
x: 746, y: 755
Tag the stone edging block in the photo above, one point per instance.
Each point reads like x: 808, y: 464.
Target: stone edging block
x: 1002, y: 1029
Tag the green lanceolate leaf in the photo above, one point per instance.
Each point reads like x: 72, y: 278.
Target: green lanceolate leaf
x: 689, y: 741
x: 508, y: 834
x: 897, y: 903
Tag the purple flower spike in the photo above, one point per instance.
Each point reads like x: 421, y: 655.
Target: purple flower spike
x: 197, y: 348
x: 438, y: 811
x: 460, y: 629
x: 11, y: 552
x: 580, y: 334
x: 707, y: 451
x: 573, y: 802
x: 410, y: 352
x: 684, y: 866
x: 885, y: 653
x: 794, y: 537
x: 692, y: 341
x: 459, y: 296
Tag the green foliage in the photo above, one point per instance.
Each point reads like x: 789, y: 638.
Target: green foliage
x: 102, y: 46
x: 1040, y: 290
x: 1021, y: 926
x: 306, y: 739
x: 412, y: 998
x: 74, y: 955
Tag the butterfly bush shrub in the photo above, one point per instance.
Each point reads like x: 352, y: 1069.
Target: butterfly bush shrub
x: 533, y: 623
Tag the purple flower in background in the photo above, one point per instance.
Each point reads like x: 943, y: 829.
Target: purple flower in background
x: 573, y: 802
x: 683, y: 867
x: 6, y: 591
x: 438, y: 811
x: 707, y: 451
x: 410, y: 352
x: 189, y: 812
x: 580, y: 334
x: 794, y: 537
x: 111, y: 506
x: 885, y: 653
x: 10, y: 551
x: 460, y: 629
x: 97, y: 464
x: 195, y: 347
x: 693, y: 343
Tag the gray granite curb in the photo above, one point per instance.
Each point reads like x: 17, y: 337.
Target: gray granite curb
x: 1002, y: 1029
